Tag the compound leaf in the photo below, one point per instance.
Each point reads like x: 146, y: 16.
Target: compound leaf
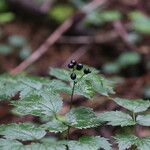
x: 22, y: 131
x: 82, y: 117
x: 116, y: 118
x: 135, y: 106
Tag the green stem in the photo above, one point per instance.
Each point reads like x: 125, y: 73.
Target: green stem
x: 72, y: 94
x: 134, y: 117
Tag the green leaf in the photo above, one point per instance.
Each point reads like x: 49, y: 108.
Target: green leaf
x: 61, y: 12
x: 110, y: 15
x: 100, y: 84
x: 28, y: 86
x: 128, y: 58
x: 8, y: 86
x: 89, y: 143
x: 125, y: 141
x: 59, y: 86
x: 6, y: 17
x: 6, y: 144
x: 140, y: 22
x: 45, y: 146
x: 25, y: 52
x: 84, y: 88
x: 55, y: 126
x: 61, y: 74
x: 116, y: 118
x: 143, y: 143
x: 39, y: 105
x: 82, y: 117
x: 111, y: 68
x: 17, y: 41
x: 5, y: 49
x: 88, y: 85
x: 135, y: 106
x: 22, y: 131
x: 143, y: 120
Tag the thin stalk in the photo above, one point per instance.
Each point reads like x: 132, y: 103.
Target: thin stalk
x: 72, y: 94
x: 134, y: 117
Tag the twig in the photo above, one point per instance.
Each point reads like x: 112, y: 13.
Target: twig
x: 102, y: 38
x: 54, y: 37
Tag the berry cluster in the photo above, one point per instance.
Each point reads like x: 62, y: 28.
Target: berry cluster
x: 77, y: 66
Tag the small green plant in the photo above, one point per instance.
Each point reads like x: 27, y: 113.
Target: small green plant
x: 41, y: 97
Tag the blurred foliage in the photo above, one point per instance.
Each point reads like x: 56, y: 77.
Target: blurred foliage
x: 3, y: 6
x: 15, y: 43
x: 124, y: 60
x: 5, y: 15
x: 61, y: 12
x: 101, y: 17
x: 141, y: 22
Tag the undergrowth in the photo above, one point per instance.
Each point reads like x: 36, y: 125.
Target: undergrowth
x: 42, y: 97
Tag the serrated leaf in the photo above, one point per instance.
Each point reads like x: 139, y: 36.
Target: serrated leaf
x: 100, y: 84
x: 50, y: 146
x: 8, y: 86
x: 39, y: 105
x: 82, y: 117
x: 116, y: 118
x: 143, y: 143
x: 143, y: 120
x: 6, y: 144
x: 29, y: 85
x: 59, y: 86
x: 22, y: 131
x: 85, y: 89
x: 61, y: 74
x: 125, y: 141
x: 90, y: 143
x: 89, y: 85
x: 135, y: 106
x: 55, y: 126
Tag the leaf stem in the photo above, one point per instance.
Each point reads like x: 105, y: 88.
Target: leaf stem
x: 134, y: 117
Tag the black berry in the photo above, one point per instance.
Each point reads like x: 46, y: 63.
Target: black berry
x: 73, y: 62
x: 79, y: 66
x: 73, y: 76
x: 87, y: 71
x: 71, y: 65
